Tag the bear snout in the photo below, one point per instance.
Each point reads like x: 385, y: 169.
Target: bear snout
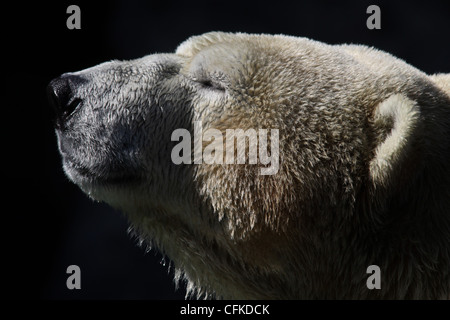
x: 62, y: 98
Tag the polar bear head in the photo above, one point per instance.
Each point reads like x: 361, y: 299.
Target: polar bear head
x: 270, y: 166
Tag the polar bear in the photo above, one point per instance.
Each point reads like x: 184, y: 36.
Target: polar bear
x: 363, y: 159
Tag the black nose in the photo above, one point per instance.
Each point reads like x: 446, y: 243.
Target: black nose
x: 62, y: 97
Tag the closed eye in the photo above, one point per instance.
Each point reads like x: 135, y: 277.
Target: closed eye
x: 209, y: 84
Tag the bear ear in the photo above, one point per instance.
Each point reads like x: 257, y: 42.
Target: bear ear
x: 395, y: 122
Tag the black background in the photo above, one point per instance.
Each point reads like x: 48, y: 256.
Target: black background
x: 47, y: 222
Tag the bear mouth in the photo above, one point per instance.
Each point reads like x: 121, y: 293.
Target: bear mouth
x: 94, y: 172
x: 81, y: 174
